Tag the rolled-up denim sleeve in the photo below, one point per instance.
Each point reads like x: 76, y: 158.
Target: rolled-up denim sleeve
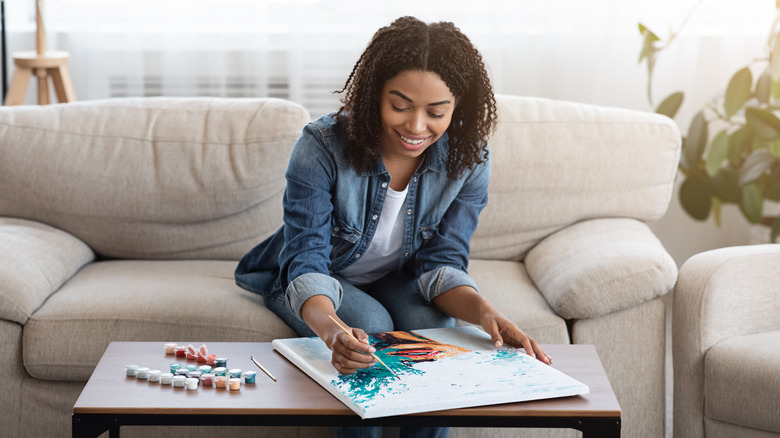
x: 306, y: 286
x: 436, y: 282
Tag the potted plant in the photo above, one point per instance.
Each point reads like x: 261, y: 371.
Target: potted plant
x: 731, y: 153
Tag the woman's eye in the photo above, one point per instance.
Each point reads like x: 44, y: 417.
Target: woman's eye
x: 436, y: 116
x: 398, y: 109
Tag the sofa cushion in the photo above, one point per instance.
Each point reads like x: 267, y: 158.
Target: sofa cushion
x: 166, y: 301
x: 599, y: 266
x: 35, y: 261
x: 507, y: 286
x: 555, y: 163
x: 126, y: 178
x: 741, y: 384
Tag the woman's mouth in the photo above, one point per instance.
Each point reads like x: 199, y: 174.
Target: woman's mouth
x: 412, y: 142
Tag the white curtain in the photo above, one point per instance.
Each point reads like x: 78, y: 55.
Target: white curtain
x: 303, y: 50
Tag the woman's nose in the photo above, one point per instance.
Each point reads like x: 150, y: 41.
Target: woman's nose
x: 416, y: 123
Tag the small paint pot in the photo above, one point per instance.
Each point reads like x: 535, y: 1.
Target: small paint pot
x: 142, y: 373
x: 192, y: 367
x: 205, y: 369
x: 220, y: 381
x: 131, y: 370
x: 170, y: 348
x: 166, y: 378
x: 220, y: 371
x: 195, y: 374
x: 235, y: 373
x: 179, y: 381
x: 250, y: 376
x: 207, y: 379
x: 182, y: 372
x: 211, y: 359
x: 234, y: 384
x: 191, y: 383
x: 174, y: 367
x: 154, y: 375
x: 181, y: 350
x: 220, y: 362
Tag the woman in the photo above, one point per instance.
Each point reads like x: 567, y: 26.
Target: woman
x: 382, y: 199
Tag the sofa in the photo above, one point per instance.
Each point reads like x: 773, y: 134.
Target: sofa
x: 124, y: 219
x: 726, y: 344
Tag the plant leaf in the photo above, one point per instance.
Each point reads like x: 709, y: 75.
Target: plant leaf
x: 719, y: 150
x: 716, y: 210
x: 739, y: 144
x: 670, y: 105
x: 763, y: 123
x: 776, y: 89
x: 696, y: 195
x: 774, y: 147
x: 773, y: 190
x: 764, y: 86
x: 752, y: 203
x: 775, y: 230
x: 648, y: 46
x: 694, y: 143
x: 774, y: 59
x: 725, y: 186
x: 755, y: 165
x: 738, y: 91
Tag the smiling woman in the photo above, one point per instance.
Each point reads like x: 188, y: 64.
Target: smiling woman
x: 381, y: 202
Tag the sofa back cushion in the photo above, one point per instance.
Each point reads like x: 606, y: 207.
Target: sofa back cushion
x: 555, y: 163
x: 151, y: 178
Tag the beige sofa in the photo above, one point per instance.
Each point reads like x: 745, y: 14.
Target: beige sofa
x: 123, y: 220
x: 726, y: 341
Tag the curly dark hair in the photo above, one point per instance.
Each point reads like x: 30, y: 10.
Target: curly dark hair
x: 441, y: 48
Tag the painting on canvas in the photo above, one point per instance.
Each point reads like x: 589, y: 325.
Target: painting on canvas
x: 438, y: 369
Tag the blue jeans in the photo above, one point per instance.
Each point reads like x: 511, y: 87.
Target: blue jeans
x: 391, y: 303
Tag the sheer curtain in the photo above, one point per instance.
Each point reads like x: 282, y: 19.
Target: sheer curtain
x: 303, y: 50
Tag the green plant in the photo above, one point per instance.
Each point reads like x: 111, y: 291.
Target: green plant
x: 731, y: 153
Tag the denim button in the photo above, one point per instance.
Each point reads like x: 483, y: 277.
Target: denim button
x: 335, y: 228
x: 409, y: 211
x: 415, y: 179
x: 384, y: 185
x: 374, y: 217
x: 406, y: 255
x: 357, y: 256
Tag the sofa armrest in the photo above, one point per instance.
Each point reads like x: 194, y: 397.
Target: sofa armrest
x: 35, y: 260
x: 599, y: 266
x: 720, y: 294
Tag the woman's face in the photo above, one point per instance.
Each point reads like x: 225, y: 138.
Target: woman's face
x: 416, y: 108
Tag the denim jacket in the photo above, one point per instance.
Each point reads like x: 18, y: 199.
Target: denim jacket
x: 331, y: 212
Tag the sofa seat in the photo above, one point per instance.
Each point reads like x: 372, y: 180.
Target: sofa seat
x: 741, y: 382
x: 129, y: 300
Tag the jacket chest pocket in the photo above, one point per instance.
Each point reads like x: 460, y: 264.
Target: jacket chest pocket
x: 342, y: 238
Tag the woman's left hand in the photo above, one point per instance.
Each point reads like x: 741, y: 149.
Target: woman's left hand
x: 503, y: 331
x: 465, y: 303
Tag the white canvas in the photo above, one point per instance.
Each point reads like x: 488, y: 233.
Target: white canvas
x: 438, y: 369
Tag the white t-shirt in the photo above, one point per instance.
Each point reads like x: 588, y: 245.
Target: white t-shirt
x: 382, y: 255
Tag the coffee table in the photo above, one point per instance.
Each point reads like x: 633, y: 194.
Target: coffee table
x: 111, y: 400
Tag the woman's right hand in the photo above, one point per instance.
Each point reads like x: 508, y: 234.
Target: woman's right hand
x: 348, y: 354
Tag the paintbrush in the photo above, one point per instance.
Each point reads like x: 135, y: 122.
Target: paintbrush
x: 262, y: 368
x: 372, y: 354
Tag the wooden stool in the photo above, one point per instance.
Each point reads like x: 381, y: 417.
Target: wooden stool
x: 49, y: 64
